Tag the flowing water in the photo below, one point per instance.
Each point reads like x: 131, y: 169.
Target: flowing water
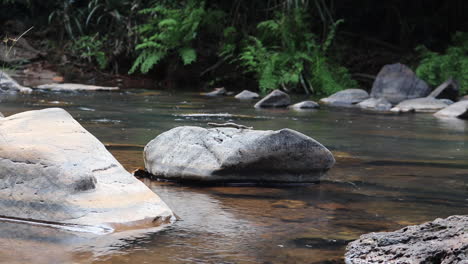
x: 391, y: 171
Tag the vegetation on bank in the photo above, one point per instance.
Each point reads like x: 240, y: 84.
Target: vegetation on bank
x: 304, y: 45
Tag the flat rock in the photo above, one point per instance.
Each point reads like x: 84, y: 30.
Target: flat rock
x: 216, y: 92
x: 74, y: 87
x: 8, y: 85
x: 396, y: 83
x: 380, y: 104
x: 276, y: 98
x: 426, y: 104
x: 443, y: 241
x: 447, y: 90
x: 346, y: 97
x: 246, y: 95
x: 305, y: 105
x: 236, y: 155
x: 458, y: 109
x: 53, y: 170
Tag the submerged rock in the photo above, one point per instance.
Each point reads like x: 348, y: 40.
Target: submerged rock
x: 447, y: 90
x: 346, y: 97
x: 246, y: 95
x: 396, y: 83
x: 458, y: 109
x: 74, y: 87
x: 216, y: 92
x: 442, y: 241
x: 8, y: 85
x: 276, y: 98
x: 52, y: 169
x: 380, y: 104
x: 236, y: 155
x: 305, y: 105
x: 426, y: 104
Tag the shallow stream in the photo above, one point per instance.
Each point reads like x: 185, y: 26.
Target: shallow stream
x: 391, y: 171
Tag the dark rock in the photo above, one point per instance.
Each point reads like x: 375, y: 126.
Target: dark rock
x: 246, y: 95
x: 346, y: 97
x: 397, y: 82
x: 276, y: 98
x: 305, y: 105
x: 458, y: 109
x: 442, y: 241
x: 216, y: 92
x: 8, y: 85
x: 236, y: 155
x: 52, y: 169
x: 380, y: 104
x: 447, y: 90
x: 426, y: 104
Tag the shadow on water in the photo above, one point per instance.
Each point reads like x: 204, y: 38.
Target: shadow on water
x: 391, y: 171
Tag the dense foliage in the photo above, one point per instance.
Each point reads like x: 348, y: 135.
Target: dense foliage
x: 435, y: 67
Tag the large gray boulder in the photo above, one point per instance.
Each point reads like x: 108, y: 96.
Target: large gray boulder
x: 458, y: 109
x: 426, y: 104
x: 396, y: 83
x: 443, y: 241
x: 236, y: 155
x: 447, y: 90
x: 346, y: 97
x: 52, y: 169
x: 276, y: 98
x: 8, y: 85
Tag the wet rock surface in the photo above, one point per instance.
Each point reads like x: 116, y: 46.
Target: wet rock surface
x: 396, y: 83
x: 52, y: 169
x: 426, y: 104
x: 346, y: 97
x: 375, y: 104
x: 305, y: 105
x: 74, y: 87
x: 458, y: 109
x: 246, y: 95
x: 441, y: 241
x: 216, y: 92
x: 8, y: 85
x: 447, y: 90
x: 236, y: 155
x: 276, y: 98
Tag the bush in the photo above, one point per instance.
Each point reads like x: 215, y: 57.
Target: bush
x: 435, y: 68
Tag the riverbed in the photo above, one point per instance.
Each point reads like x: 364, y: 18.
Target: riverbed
x: 391, y: 171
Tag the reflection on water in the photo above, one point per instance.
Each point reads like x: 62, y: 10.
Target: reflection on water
x: 391, y: 171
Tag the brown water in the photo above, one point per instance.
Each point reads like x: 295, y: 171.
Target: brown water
x: 391, y: 171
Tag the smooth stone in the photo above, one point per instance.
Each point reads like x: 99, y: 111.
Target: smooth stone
x: 464, y: 98
x: 346, y: 97
x: 8, y: 85
x: 276, y: 98
x: 74, y: 87
x: 380, y: 104
x: 458, y: 109
x: 216, y: 92
x: 426, y: 104
x: 447, y: 90
x: 191, y: 153
x: 246, y: 95
x: 305, y: 105
x: 439, y: 241
x: 396, y: 83
x: 53, y: 170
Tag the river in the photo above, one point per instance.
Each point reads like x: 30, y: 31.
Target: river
x: 391, y: 171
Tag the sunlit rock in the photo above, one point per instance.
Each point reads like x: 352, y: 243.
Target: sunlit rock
x: 216, y: 92
x: 346, y: 97
x: 52, y: 169
x: 74, y: 87
x: 246, y: 95
x: 396, y: 83
x: 276, y: 98
x: 236, y: 155
x: 440, y: 241
x: 426, y: 104
x: 380, y: 104
x: 458, y: 109
x: 8, y: 85
x: 304, y: 105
